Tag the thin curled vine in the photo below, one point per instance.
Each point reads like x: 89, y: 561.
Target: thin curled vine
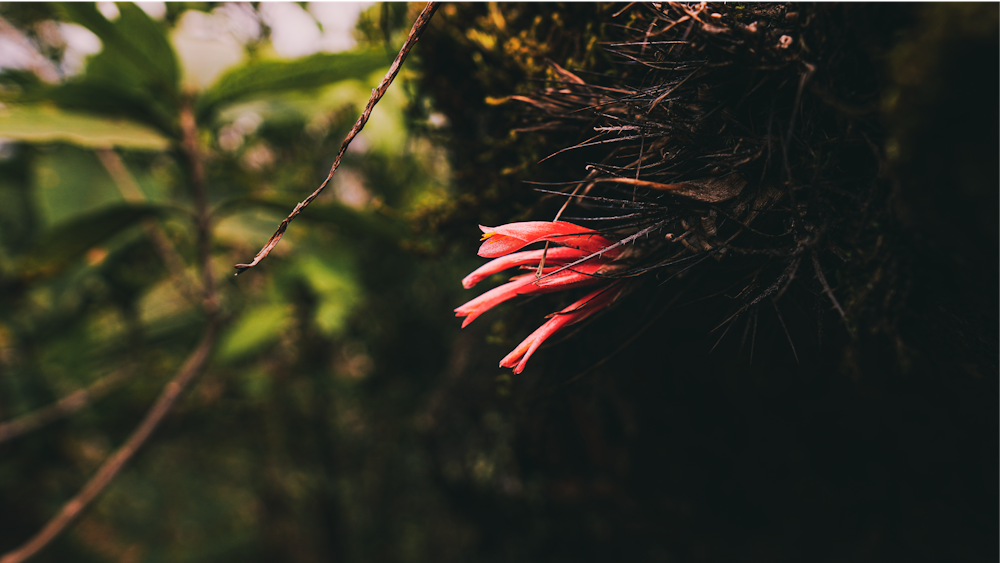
x: 418, y: 27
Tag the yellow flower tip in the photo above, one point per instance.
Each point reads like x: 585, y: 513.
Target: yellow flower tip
x: 486, y: 236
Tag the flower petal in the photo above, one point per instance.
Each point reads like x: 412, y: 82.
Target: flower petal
x: 560, y: 255
x: 578, y: 311
x: 527, y: 284
x: 514, y: 236
x: 519, y: 356
x: 491, y: 299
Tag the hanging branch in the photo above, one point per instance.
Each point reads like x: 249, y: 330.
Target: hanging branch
x: 418, y: 27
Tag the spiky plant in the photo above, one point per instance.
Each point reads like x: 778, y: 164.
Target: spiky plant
x: 719, y: 145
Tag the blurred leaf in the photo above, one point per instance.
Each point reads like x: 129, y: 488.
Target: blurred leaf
x: 334, y: 283
x: 141, y: 41
x: 135, y: 75
x: 40, y: 124
x: 103, y: 97
x: 63, y: 245
x: 275, y: 76
x: 256, y: 328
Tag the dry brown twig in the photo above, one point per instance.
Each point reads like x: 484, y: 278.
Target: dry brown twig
x: 418, y: 27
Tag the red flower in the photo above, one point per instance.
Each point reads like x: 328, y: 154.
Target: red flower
x: 582, y: 260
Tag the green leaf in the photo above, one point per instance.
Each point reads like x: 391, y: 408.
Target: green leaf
x: 149, y: 38
x: 140, y: 41
x: 93, y: 95
x: 63, y: 245
x: 336, y: 288
x: 255, y: 329
x: 275, y: 76
x: 45, y: 124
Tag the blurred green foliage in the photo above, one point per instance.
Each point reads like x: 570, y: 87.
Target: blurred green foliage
x: 304, y: 424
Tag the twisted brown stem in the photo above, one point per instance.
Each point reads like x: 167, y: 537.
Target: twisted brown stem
x: 418, y: 27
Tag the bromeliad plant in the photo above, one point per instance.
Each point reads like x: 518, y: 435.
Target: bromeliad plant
x: 584, y: 258
x: 714, y: 153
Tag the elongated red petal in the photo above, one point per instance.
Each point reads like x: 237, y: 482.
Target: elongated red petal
x: 527, y: 285
x: 557, y: 255
x: 519, y: 356
x: 491, y: 299
x: 515, y: 236
x: 578, y: 311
